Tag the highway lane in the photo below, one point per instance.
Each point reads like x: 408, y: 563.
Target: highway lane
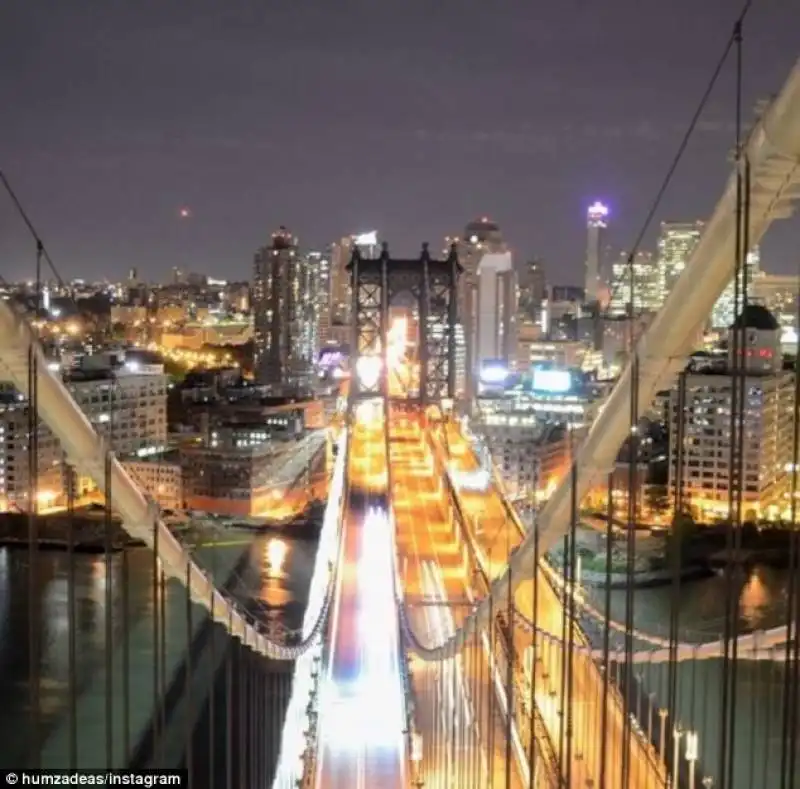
x: 362, y: 714
x: 457, y: 709
x: 496, y: 536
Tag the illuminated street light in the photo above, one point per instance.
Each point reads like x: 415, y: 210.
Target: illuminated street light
x: 692, y: 752
x: 677, y: 733
x: 662, y: 740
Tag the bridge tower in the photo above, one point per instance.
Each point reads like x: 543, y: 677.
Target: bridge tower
x: 425, y: 285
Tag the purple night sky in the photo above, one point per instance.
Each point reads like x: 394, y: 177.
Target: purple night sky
x: 335, y: 116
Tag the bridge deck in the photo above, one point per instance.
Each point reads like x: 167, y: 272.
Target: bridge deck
x: 362, y: 719
x: 456, y: 704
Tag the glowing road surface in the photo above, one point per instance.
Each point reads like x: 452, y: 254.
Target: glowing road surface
x: 362, y: 713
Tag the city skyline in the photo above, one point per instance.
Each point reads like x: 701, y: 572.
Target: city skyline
x: 172, y: 160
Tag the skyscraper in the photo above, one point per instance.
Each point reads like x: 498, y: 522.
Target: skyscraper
x: 481, y: 237
x: 675, y: 246
x: 532, y: 289
x: 724, y: 311
x: 646, y: 295
x: 340, y: 286
x: 597, y: 223
x: 283, y: 313
x: 495, y: 334
x: 320, y: 273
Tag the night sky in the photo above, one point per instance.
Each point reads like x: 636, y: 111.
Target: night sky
x: 337, y: 116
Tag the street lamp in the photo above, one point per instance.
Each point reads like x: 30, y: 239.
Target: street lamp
x: 692, y: 751
x: 651, y: 707
x: 677, y: 733
x: 662, y: 739
x: 416, y: 759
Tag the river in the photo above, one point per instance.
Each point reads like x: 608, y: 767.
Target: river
x: 275, y: 579
x: 760, y: 685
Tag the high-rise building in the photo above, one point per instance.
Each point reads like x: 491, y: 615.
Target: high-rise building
x: 706, y: 478
x: 481, y: 237
x: 341, y: 288
x: 724, y: 311
x: 779, y: 294
x: 126, y: 403
x: 646, y: 281
x: 283, y: 313
x: 496, y: 310
x: 532, y: 289
x: 320, y: 267
x: 675, y: 246
x: 597, y: 223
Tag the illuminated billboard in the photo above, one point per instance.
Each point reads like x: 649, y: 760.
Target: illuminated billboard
x: 330, y: 357
x: 494, y: 372
x: 555, y: 381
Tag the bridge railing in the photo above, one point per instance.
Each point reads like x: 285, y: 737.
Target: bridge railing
x: 298, y: 747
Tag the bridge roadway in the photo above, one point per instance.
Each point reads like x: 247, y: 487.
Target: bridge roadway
x: 362, y: 706
x: 495, y: 535
x: 463, y: 712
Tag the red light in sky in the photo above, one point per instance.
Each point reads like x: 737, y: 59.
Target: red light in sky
x: 184, y: 213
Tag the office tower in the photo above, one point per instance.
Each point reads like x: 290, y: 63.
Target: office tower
x: 646, y: 283
x: 320, y: 268
x: 596, y: 226
x: 778, y: 293
x: 724, y: 311
x: 481, y: 236
x: 495, y: 336
x: 282, y: 308
x: 532, y: 289
x: 767, y: 449
x: 676, y: 243
x: 341, y: 287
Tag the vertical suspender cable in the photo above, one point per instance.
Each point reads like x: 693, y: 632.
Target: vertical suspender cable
x: 604, y: 745
x: 162, y: 657
x: 72, y: 651
x: 741, y: 470
x: 125, y: 635
x: 34, y: 607
x: 680, y: 513
x: 734, y: 479
x: 790, y: 666
x: 156, y: 632
x: 570, y: 663
x: 231, y: 646
x: 534, y: 648
x: 188, y: 679
x: 108, y: 563
x: 213, y: 683
x: 509, y: 686
x: 633, y: 458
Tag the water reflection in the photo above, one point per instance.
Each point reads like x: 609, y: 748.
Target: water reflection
x: 760, y: 686
x: 755, y: 600
x: 276, y: 556
x: 276, y: 576
x: 701, y: 604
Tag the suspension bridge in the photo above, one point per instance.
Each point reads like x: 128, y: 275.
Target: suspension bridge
x: 428, y: 655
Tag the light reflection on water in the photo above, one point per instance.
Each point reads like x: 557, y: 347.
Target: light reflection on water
x: 701, y: 604
x: 760, y: 686
x: 276, y: 580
